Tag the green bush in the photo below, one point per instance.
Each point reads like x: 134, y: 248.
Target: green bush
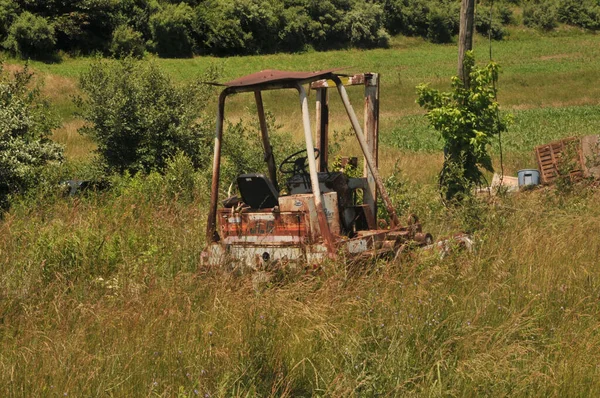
x: 541, y: 14
x: 172, y: 31
x: 127, y: 42
x: 443, y: 23
x: 31, y: 36
x: 216, y: 32
x: 140, y: 119
x: 260, y: 22
x: 8, y: 12
x: 365, y: 26
x: 25, y: 125
x: 486, y: 27
x: 582, y: 13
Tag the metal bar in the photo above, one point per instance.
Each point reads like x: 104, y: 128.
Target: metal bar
x: 354, y: 80
x: 269, y: 158
x: 314, y: 179
x: 322, y: 122
x: 372, y: 132
x: 211, y: 224
x: 369, y: 159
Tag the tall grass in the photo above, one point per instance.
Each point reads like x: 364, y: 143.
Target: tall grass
x: 104, y: 295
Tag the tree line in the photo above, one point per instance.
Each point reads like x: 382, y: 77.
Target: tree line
x: 40, y: 28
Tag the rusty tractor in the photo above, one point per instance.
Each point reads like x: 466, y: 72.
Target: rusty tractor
x: 320, y: 216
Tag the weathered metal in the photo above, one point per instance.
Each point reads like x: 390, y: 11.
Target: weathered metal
x: 319, y: 216
x: 372, y: 136
x: 366, y: 152
x: 269, y: 158
x: 322, y: 127
x: 211, y: 235
x: 270, y: 76
x: 312, y: 166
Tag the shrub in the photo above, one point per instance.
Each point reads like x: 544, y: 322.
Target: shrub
x: 467, y: 119
x: 486, y: 27
x: 127, y: 42
x: 216, y: 32
x: 172, y: 31
x: 8, y: 13
x: 31, y: 36
x: 364, y: 24
x: 294, y: 33
x: 582, y: 13
x: 442, y: 24
x: 140, y: 119
x: 25, y: 125
x: 541, y: 14
x: 260, y: 22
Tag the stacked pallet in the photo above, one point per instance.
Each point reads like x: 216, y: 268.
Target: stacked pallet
x: 561, y: 158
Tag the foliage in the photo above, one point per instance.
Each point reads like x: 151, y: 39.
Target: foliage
x: 140, y: 119
x: 585, y: 14
x: 8, y: 12
x: 171, y: 31
x: 127, y: 42
x: 31, y: 36
x: 467, y: 119
x: 443, y: 22
x: 365, y: 25
x: 25, y: 125
x: 541, y: 14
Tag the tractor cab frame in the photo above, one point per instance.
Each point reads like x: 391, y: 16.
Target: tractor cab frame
x: 318, y: 218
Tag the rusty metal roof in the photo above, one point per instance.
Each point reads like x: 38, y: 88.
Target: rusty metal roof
x: 277, y: 76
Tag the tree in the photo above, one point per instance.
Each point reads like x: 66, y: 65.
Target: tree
x: 25, y: 127
x: 468, y: 119
x: 31, y: 36
x: 140, y: 119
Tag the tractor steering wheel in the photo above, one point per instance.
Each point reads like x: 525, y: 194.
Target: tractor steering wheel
x: 298, y: 164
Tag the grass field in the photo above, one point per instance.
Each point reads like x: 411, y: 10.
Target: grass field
x: 103, y: 295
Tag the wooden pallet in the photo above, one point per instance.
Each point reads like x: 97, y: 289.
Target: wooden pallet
x: 551, y: 158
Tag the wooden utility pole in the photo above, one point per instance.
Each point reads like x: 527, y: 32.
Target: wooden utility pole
x: 465, y: 36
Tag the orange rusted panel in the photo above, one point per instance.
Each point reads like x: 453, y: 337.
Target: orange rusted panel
x: 256, y: 226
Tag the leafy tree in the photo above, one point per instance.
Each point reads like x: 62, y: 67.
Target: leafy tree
x: 25, y: 127
x: 140, y: 119
x: 172, y: 31
x: 583, y: 13
x: 31, y: 36
x: 8, y: 12
x: 365, y: 26
x: 468, y: 119
x: 127, y: 42
x: 541, y: 14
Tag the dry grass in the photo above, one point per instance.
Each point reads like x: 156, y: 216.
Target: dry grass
x: 105, y: 296
x: 77, y: 147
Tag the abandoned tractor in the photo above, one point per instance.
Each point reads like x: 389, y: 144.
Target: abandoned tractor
x: 322, y: 214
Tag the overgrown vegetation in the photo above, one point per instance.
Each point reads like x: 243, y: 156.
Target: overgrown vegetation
x: 103, y: 293
x: 26, y: 124
x: 140, y: 119
x: 467, y: 118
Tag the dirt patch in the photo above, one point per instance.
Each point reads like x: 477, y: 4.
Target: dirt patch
x: 559, y: 56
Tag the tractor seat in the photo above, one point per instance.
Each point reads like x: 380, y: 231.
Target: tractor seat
x: 257, y: 191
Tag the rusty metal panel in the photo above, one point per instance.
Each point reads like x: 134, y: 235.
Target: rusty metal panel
x: 355, y: 80
x: 263, y: 227
x: 305, y: 203
x: 276, y: 76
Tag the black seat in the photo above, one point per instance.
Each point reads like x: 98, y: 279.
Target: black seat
x: 257, y: 191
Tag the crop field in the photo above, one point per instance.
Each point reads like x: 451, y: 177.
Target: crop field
x: 103, y: 294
